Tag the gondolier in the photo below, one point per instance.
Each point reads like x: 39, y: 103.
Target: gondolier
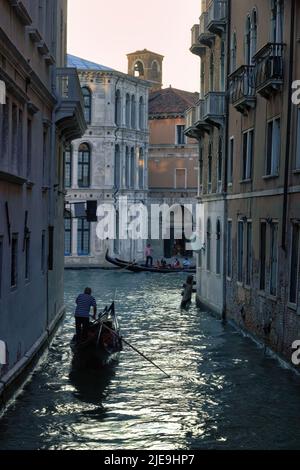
x: 84, y: 302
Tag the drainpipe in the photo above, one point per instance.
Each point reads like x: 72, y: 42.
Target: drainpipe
x: 226, y: 138
x: 289, y: 120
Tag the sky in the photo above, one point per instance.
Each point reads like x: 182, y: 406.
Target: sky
x: 105, y: 31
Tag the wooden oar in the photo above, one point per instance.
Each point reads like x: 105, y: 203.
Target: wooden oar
x: 136, y: 350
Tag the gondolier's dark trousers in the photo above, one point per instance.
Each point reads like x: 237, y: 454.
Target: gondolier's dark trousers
x: 82, y: 326
x: 149, y: 258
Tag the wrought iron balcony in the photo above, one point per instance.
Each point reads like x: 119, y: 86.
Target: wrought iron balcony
x: 206, y: 38
x: 196, y: 47
x: 217, y: 16
x: 70, y: 111
x: 213, y: 109
x: 269, y: 69
x: 242, y: 88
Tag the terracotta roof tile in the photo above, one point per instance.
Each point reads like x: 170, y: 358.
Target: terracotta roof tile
x: 171, y: 101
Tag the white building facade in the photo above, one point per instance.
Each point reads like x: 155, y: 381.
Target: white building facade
x: 109, y: 162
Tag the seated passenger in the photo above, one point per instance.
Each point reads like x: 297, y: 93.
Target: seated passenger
x: 186, y: 263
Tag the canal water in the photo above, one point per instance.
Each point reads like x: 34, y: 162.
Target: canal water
x: 223, y: 392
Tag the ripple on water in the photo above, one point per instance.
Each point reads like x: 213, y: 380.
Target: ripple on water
x: 223, y: 393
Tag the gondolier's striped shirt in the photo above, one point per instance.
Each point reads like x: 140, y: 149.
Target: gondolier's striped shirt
x: 84, y: 303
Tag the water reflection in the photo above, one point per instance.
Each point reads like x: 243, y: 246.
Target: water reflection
x: 223, y: 392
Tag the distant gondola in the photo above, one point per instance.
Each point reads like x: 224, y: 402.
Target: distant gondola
x: 102, y: 346
x: 138, y: 268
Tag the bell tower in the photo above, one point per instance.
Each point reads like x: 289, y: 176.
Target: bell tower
x: 146, y: 65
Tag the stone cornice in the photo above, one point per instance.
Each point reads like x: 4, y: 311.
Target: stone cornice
x: 166, y: 116
x: 106, y: 74
x: 19, y: 63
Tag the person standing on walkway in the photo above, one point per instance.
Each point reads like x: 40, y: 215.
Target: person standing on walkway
x: 84, y: 302
x: 148, y: 255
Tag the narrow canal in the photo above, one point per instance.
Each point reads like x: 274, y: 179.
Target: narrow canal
x: 223, y: 393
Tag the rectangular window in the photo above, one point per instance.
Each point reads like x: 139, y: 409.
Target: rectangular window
x: 45, y: 157
x: 83, y: 238
x: 230, y: 161
x: 1, y: 265
x: 180, y: 178
x: 273, y: 148
x: 249, y: 254
x: 240, y: 251
x: 209, y: 179
x: 14, y: 134
x: 273, y: 259
x: 20, y: 141
x: 14, y: 261
x: 229, y: 249
x: 27, y: 257
x: 68, y: 168
x: 43, y: 247
x: 294, y: 274
x: 247, y: 154
x: 29, y: 148
x: 180, y: 137
x: 4, y: 129
x: 263, y: 249
x: 298, y: 141
x: 68, y: 236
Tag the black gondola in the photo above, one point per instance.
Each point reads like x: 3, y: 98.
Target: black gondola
x: 138, y: 268
x: 102, y: 345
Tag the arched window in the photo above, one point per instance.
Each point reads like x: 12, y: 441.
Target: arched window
x: 84, y: 166
x: 117, y: 177
x: 141, y: 168
x: 277, y: 21
x: 233, y: 52
x: 220, y: 164
x: 222, y: 67
x: 155, y: 70
x: 141, y: 114
x: 138, y: 69
x: 132, y: 168
x: 208, y: 248
x: 68, y: 167
x: 133, y: 112
x: 211, y: 72
x: 118, y: 107
x: 127, y: 110
x: 253, y: 33
x: 247, y: 42
x: 127, y: 168
x: 218, y: 248
x: 87, y: 98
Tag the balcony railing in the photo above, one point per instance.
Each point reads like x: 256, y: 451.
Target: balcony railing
x: 196, y: 47
x: 217, y: 16
x: 192, y: 116
x: 213, y: 111
x: 242, y: 88
x: 70, y: 112
x: 269, y: 69
x: 206, y: 38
